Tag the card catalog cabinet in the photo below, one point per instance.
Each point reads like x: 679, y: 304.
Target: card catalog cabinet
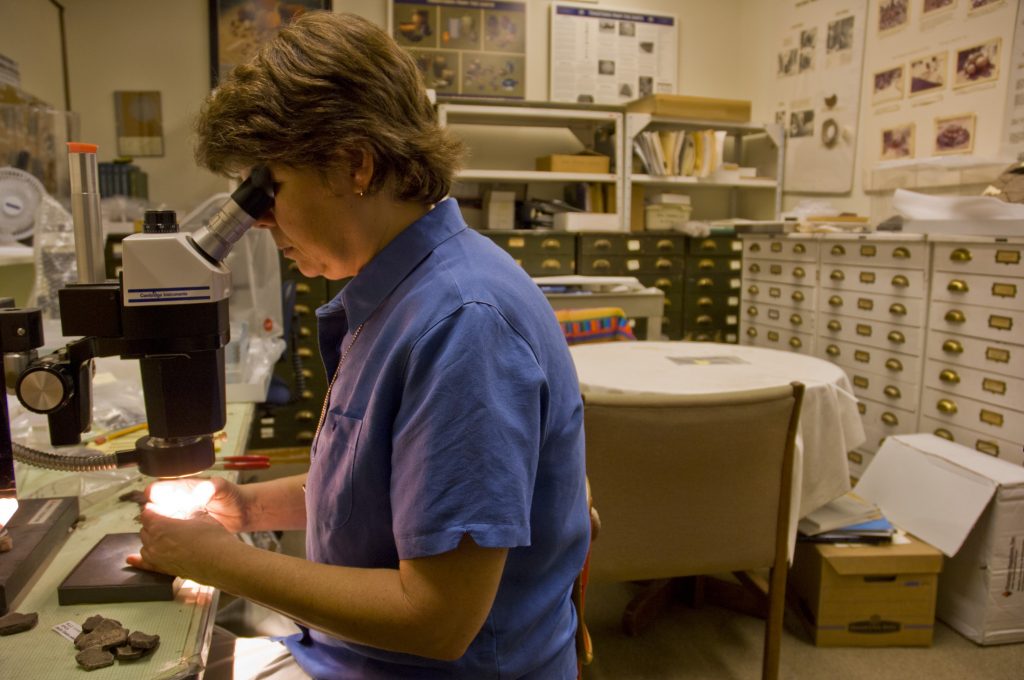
x: 779, y: 291
x: 974, y: 358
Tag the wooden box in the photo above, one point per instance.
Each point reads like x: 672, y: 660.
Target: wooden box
x: 703, y: 108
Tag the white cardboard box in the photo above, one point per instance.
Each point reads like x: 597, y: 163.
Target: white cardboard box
x: 586, y: 221
x: 500, y: 209
x: 971, y: 507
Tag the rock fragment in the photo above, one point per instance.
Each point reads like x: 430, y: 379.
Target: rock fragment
x: 14, y: 623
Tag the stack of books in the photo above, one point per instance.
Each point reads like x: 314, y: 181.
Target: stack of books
x: 847, y: 519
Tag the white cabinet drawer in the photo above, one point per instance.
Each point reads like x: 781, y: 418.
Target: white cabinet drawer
x: 986, y: 355
x: 798, y: 297
x: 993, y: 446
x: 760, y: 335
x: 779, y: 316
x: 896, y: 282
x: 796, y: 273
x: 1001, y: 325
x: 993, y: 388
x: 883, y: 420
x: 904, y: 339
x: 994, y: 421
x: 989, y: 291
x: 876, y: 253
x: 850, y: 356
x: 883, y: 389
x: 886, y: 308
x: 988, y: 259
x: 782, y: 248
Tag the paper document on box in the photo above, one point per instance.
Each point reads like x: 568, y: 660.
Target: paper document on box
x: 926, y: 494
x: 847, y: 510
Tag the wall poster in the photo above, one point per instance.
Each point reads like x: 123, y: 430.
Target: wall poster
x: 607, y: 56
x: 465, y: 48
x: 818, y: 78
x: 1012, y: 143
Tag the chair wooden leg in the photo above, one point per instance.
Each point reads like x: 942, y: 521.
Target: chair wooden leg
x: 773, y: 624
x: 645, y: 607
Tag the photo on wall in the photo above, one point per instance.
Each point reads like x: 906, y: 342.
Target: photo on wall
x: 898, y: 142
x: 892, y: 15
x: 840, y: 35
x: 801, y: 123
x: 977, y: 64
x: 980, y: 5
x: 930, y: 8
x: 888, y: 86
x: 928, y: 74
x: 954, y: 134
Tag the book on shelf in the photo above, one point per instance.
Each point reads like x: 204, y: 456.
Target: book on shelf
x: 844, y: 511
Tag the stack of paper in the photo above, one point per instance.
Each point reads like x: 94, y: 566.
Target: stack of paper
x: 680, y: 153
x: 849, y: 509
x: 874, y: 531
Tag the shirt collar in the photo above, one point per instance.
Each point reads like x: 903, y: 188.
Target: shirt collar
x: 364, y: 293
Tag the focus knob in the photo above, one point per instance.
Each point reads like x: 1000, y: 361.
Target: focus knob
x: 44, y: 389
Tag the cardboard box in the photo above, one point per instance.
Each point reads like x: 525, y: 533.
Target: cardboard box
x: 866, y: 596
x: 587, y: 221
x: 580, y: 162
x: 703, y: 108
x: 500, y: 209
x: 970, y: 506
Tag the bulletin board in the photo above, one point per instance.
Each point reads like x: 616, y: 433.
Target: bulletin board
x: 1013, y: 123
x: 936, y: 80
x: 465, y: 48
x: 608, y: 56
x: 817, y: 76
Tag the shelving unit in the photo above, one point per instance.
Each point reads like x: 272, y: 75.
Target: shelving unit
x: 739, y: 149
x: 587, y: 124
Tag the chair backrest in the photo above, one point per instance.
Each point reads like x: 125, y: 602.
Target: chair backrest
x: 690, y: 484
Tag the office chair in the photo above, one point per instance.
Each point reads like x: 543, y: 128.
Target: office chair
x: 692, y: 485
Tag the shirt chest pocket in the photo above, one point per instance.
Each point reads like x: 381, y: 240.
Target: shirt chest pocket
x: 329, y: 485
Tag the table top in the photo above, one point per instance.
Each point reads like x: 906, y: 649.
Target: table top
x: 830, y: 424
x: 184, y: 624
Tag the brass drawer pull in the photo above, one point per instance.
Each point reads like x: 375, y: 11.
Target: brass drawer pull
x: 952, y: 347
x: 957, y: 286
x: 892, y: 391
x: 837, y: 275
x: 947, y: 375
x: 664, y: 284
x: 304, y: 352
x: 774, y: 292
x: 303, y: 416
x: 901, y: 253
x: 960, y: 255
x: 550, y: 244
x: 838, y: 250
x: 663, y: 263
x: 602, y: 244
x: 709, y: 245
x: 775, y: 269
x: 753, y: 290
x: 797, y: 296
x: 894, y: 365
x: 773, y: 336
x: 897, y: 309
x: 752, y: 311
x: 985, y: 446
x: 602, y: 264
x: 835, y: 301
x: 955, y: 316
x: 704, y: 320
x: 302, y: 288
x: 834, y: 325
x: 799, y: 272
x: 795, y: 343
x: 897, y: 337
x: 900, y: 281
x: 947, y: 406
x: 776, y: 247
x: 301, y: 310
x: 832, y: 350
x: 799, y: 249
x: 867, y: 251
x: 706, y: 264
x: 668, y: 245
x: 551, y: 264
x: 752, y: 332
x: 944, y: 433
x: 890, y: 419
x: 754, y: 247
x: 754, y: 268
x: 705, y: 302
x: 795, y: 319
x: 705, y: 283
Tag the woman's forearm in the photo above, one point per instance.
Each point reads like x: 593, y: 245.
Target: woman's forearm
x: 275, y: 505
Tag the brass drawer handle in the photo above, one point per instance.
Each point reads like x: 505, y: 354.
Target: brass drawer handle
x: 837, y: 275
x: 704, y: 320
x: 799, y: 272
x: 663, y: 283
x: 663, y: 263
x: 709, y: 244
x: 835, y: 301
x: 705, y: 283
x: 754, y: 247
x: 900, y: 281
x: 890, y: 419
x: 946, y: 406
x: 304, y: 352
x: 602, y: 244
x: 752, y: 311
x: 705, y: 302
x: 551, y: 263
x: 754, y: 268
x: 894, y: 365
x: 303, y: 416
x: 666, y: 244
x: 602, y: 264
x: 832, y: 350
x: 901, y: 253
x: 838, y: 250
x: 795, y: 319
x: 753, y: 290
x: 752, y: 332
x: 776, y: 247
x: 799, y: 249
x: 797, y: 296
x: 960, y: 255
x: 795, y: 343
x: 897, y: 309
x: 944, y: 433
x: 947, y: 375
x: 952, y: 347
x: 955, y: 316
x: 892, y: 391
x: 706, y: 264
x: 301, y: 310
x: 302, y: 288
x: 897, y: 337
x: 550, y: 244
x: 834, y: 325
x: 957, y: 286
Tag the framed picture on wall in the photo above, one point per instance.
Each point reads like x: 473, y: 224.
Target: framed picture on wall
x: 954, y: 134
x: 139, y: 118
x: 888, y: 85
x: 928, y: 73
x: 239, y: 27
x: 977, y: 64
x: 898, y: 142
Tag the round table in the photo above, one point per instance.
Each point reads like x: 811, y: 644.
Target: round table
x: 830, y: 423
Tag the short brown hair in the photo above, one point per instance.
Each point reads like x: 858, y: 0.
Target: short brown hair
x: 326, y: 85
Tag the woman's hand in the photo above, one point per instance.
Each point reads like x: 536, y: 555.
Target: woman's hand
x: 220, y: 499
x: 182, y: 547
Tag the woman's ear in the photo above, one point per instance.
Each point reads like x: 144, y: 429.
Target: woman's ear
x: 361, y: 164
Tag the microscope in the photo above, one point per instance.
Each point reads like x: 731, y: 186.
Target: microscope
x: 169, y: 310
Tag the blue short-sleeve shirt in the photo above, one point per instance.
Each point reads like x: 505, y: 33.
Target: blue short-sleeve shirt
x: 455, y: 411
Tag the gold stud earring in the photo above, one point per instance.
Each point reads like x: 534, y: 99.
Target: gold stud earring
x: 360, y: 194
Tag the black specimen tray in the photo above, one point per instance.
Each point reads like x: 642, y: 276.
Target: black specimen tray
x: 103, y: 576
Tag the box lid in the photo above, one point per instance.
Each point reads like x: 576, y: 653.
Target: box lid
x: 934, y: 488
x: 914, y: 557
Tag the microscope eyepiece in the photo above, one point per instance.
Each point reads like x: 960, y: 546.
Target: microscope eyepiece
x: 250, y: 200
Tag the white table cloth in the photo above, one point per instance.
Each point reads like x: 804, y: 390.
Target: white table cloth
x: 830, y: 423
